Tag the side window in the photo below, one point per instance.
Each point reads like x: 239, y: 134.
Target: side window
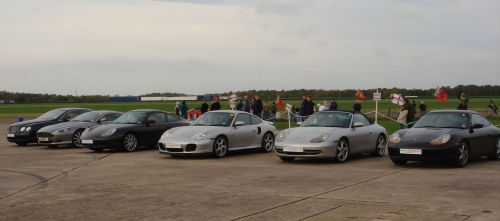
x: 111, y: 117
x: 486, y: 123
x: 244, y: 117
x: 158, y: 117
x: 255, y: 120
x: 171, y: 118
x: 476, y: 119
x: 74, y: 113
x: 360, y: 118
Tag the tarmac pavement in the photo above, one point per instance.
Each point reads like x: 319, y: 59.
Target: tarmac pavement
x: 41, y: 183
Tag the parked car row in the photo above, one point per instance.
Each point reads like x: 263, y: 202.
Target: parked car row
x: 450, y: 136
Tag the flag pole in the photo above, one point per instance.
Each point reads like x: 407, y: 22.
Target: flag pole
x: 289, y: 123
x: 376, y: 109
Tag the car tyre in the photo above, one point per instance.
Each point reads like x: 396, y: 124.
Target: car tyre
x: 220, y: 147
x: 267, y: 142
x: 76, y: 139
x: 380, y: 146
x: 342, y: 151
x: 496, y: 151
x: 287, y: 158
x: 462, y: 155
x: 130, y: 142
x: 399, y: 162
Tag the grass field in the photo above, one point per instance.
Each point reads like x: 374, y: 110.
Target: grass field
x: 37, y: 109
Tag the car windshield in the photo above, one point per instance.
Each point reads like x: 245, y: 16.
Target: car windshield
x: 53, y: 114
x: 88, y: 117
x: 214, y: 119
x: 443, y: 120
x: 133, y: 117
x: 328, y: 119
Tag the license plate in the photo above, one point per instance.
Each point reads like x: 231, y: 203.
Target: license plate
x: 293, y: 149
x: 11, y: 135
x: 43, y: 139
x: 172, y: 145
x: 410, y: 151
x: 87, y: 141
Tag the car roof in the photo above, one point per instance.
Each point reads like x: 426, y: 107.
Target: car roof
x: 229, y: 111
x: 106, y: 111
x: 146, y: 110
x: 455, y: 111
x: 72, y: 108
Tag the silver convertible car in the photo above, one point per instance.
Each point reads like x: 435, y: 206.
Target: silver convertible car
x: 332, y: 134
x: 217, y: 132
x: 69, y: 133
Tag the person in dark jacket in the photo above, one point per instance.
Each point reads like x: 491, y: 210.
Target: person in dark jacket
x: 204, y: 107
x: 246, y: 104
x: 357, y: 106
x: 303, y: 109
x: 422, y: 108
x: 239, y: 106
x: 184, y: 110
x: 215, y: 105
x: 333, y: 105
x: 257, y: 106
x: 310, y: 106
x: 462, y: 106
x: 411, y: 111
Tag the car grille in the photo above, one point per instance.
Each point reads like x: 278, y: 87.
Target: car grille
x: 45, y: 134
x: 190, y: 147
x: 176, y: 150
x: 13, y: 129
x: 306, y: 152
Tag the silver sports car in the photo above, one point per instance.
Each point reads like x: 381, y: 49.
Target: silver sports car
x: 332, y: 134
x: 217, y: 132
x: 69, y: 133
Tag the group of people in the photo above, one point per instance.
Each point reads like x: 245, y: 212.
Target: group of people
x: 408, y: 112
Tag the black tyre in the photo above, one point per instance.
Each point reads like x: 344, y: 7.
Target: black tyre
x: 342, y: 151
x: 399, y: 162
x: 287, y: 158
x: 495, y: 155
x: 220, y: 147
x: 129, y: 142
x: 267, y: 143
x: 462, y: 155
x: 380, y: 147
x: 76, y: 139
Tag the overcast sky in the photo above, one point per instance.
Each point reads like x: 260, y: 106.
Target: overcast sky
x: 130, y: 47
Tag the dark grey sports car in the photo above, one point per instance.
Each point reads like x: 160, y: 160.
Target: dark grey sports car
x: 452, y: 136
x: 133, y: 129
x: 24, y: 132
x: 69, y: 133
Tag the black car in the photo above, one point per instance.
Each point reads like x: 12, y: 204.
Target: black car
x: 452, y: 136
x: 25, y: 132
x: 133, y: 129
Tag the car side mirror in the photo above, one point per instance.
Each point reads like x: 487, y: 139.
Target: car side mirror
x: 239, y: 123
x: 358, y: 124
x: 410, y: 125
x: 299, y: 123
x: 66, y: 119
x: 151, y: 121
x: 102, y: 120
x: 477, y: 126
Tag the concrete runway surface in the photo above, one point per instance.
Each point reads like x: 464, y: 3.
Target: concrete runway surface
x: 40, y: 183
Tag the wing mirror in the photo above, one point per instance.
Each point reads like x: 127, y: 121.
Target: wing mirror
x: 102, y: 119
x: 239, y: 123
x: 151, y: 121
x: 358, y: 124
x: 410, y: 125
x: 299, y: 123
x: 66, y: 119
x: 477, y: 126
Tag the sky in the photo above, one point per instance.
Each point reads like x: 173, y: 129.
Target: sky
x: 132, y: 47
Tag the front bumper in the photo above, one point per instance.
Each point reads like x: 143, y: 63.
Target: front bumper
x: 54, y: 139
x: 114, y: 142
x: 185, y: 146
x: 21, y: 138
x: 306, y: 149
x: 445, y: 153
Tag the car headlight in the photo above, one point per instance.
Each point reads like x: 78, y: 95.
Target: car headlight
x: 109, y: 132
x: 63, y: 130
x: 167, y: 133
x: 441, y: 140
x: 22, y: 129
x: 395, y: 138
x: 321, y: 138
x: 200, y: 135
x: 28, y: 128
x: 281, y: 136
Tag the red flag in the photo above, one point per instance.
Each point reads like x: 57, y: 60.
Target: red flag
x: 361, y: 95
x: 441, y: 95
x: 280, y: 103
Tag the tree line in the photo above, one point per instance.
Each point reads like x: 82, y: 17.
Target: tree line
x: 468, y: 90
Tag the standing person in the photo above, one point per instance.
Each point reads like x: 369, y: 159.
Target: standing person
x: 184, y: 110
x: 246, y: 104
x: 257, y: 107
x: 422, y: 108
x: 204, y: 107
x: 321, y: 107
x: 252, y: 104
x: 414, y: 105
x: 357, y: 106
x: 274, y: 108
x: 267, y: 109
x: 240, y: 105
x: 215, y: 105
x: 411, y: 112
x: 310, y: 106
x: 403, y: 114
x: 303, y: 109
x: 292, y: 113
x: 462, y: 106
x: 177, y: 108
x: 333, y: 105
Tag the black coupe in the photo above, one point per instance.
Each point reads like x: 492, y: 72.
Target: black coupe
x: 453, y: 136
x: 24, y: 132
x: 133, y: 129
